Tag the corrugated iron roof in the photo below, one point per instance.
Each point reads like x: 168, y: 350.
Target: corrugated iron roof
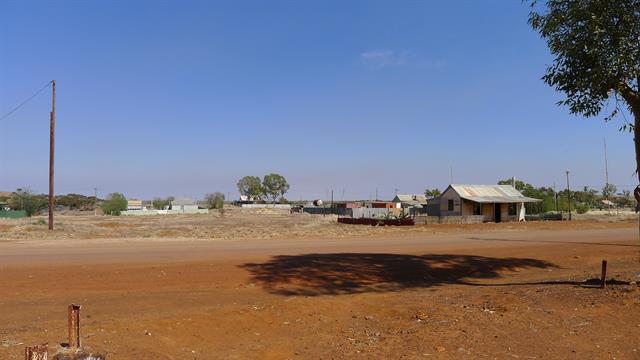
x: 491, y: 193
x: 185, y: 201
x: 412, y: 198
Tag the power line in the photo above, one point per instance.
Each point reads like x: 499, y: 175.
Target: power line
x: 25, y: 101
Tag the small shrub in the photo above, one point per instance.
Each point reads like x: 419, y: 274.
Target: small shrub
x: 114, y: 204
x: 215, y: 200
x: 582, y: 208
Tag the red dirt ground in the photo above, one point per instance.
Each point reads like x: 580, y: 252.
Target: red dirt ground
x: 466, y: 293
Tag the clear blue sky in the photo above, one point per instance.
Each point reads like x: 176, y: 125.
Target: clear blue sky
x: 183, y: 98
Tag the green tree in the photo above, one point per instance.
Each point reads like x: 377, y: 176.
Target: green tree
x: 520, y: 185
x: 431, y: 193
x: 76, y: 201
x: 274, y: 186
x: 624, y: 200
x: 608, y: 191
x: 587, y: 196
x: 596, y: 56
x: 24, y: 199
x: 251, y: 187
x: 114, y: 204
x: 547, y: 195
x: 160, y: 204
x: 215, y: 200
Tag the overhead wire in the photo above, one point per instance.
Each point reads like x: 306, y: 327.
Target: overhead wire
x: 25, y: 101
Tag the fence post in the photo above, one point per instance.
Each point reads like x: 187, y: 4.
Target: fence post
x: 38, y: 352
x: 74, y: 326
x: 604, y: 274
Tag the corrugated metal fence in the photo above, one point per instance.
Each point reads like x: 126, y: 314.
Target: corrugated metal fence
x: 328, y: 211
x: 13, y: 214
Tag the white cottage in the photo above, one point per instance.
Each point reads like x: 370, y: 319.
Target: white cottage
x: 409, y: 200
x: 187, y: 206
x: 133, y: 204
x: 496, y: 203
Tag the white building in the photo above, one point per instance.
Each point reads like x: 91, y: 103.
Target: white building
x: 187, y: 206
x: 409, y: 200
x: 496, y: 203
x: 133, y: 204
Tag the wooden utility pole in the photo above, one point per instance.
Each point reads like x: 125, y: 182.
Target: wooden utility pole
x: 555, y: 194
x: 606, y: 163
x: 52, y: 137
x: 95, y: 201
x: 569, y: 195
x: 331, y: 199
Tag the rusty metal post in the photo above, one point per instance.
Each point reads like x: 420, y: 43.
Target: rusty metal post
x: 38, y: 352
x: 74, y: 326
x: 604, y: 274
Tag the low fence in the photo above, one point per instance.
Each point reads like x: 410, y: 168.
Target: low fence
x: 162, y: 212
x: 266, y: 206
x: 468, y: 219
x: 375, y: 213
x: 544, y: 217
x: 328, y: 211
x: 357, y: 213
x: 13, y: 214
x: 478, y: 219
x: 375, y: 222
x: 177, y: 212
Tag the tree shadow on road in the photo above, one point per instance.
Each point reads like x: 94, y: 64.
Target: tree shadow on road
x: 554, y: 242
x: 353, y: 273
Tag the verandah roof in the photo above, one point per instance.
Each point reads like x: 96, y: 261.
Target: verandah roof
x: 492, y: 194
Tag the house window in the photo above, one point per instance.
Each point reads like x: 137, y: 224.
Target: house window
x: 450, y: 203
x: 477, y: 209
x: 512, y: 210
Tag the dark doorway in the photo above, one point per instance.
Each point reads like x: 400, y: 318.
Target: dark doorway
x: 497, y: 213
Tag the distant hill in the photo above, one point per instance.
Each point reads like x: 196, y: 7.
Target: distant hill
x: 5, y: 194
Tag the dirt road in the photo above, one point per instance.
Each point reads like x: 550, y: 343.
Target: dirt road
x: 466, y: 294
